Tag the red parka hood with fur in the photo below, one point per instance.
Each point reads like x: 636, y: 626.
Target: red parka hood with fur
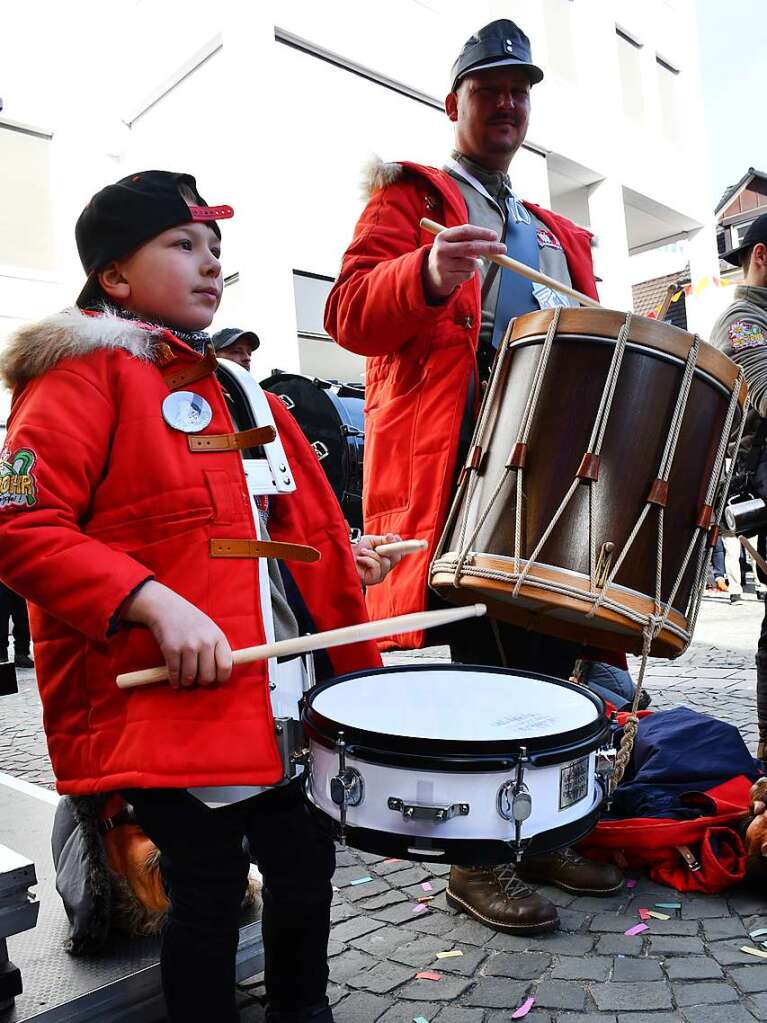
x: 101, y: 495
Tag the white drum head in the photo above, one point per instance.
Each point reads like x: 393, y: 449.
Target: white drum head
x: 450, y: 704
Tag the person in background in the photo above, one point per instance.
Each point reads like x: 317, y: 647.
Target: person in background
x: 14, y: 608
x: 236, y: 344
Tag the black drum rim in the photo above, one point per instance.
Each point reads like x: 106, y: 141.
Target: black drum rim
x: 455, y: 754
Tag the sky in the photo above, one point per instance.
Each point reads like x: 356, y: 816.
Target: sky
x: 733, y: 45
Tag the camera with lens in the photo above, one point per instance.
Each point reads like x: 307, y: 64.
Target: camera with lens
x: 745, y: 514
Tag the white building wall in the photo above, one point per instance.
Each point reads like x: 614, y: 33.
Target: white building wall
x: 283, y: 135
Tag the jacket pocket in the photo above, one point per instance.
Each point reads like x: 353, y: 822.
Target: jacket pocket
x: 389, y: 440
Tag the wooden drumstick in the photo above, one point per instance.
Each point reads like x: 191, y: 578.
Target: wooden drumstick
x: 323, y: 640
x: 401, y: 547
x: 526, y: 271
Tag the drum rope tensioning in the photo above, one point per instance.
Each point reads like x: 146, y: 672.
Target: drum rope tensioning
x: 603, y: 593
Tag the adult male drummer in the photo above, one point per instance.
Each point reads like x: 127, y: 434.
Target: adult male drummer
x: 236, y: 344
x: 429, y: 315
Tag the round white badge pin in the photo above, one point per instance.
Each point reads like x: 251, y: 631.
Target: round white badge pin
x: 186, y: 411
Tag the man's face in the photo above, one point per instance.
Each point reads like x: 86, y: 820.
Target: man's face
x: 491, y: 111
x: 239, y: 352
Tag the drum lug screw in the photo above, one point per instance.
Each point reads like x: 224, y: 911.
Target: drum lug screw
x: 514, y: 802
x: 347, y: 788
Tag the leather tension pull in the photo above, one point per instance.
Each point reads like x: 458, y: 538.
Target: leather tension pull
x: 263, y: 549
x: 200, y: 443
x: 191, y: 372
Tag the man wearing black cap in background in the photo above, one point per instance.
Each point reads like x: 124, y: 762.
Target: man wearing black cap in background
x: 741, y: 333
x: 236, y: 344
x: 429, y: 315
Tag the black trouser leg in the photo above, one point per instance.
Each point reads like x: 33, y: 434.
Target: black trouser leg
x: 296, y: 857
x: 499, y: 644
x: 761, y: 682
x: 6, y: 599
x: 205, y: 870
x: 20, y: 625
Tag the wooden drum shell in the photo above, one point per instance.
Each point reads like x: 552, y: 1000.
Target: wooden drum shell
x: 636, y: 434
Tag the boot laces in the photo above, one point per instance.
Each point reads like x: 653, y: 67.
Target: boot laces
x: 509, y: 883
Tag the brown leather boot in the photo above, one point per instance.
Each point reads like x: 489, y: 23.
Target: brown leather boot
x: 495, y: 897
x: 569, y: 870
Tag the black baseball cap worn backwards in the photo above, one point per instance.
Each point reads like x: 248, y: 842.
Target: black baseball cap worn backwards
x: 499, y: 44
x: 123, y: 216
x: 757, y: 232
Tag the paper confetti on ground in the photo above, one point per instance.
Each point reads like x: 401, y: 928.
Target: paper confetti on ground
x: 419, y: 907
x: 392, y: 859
x: 637, y: 929
x: 420, y: 1019
x: 658, y: 916
x: 672, y: 905
x: 362, y: 880
x: 427, y: 886
x: 449, y: 955
x: 762, y: 953
x: 757, y: 934
x: 631, y: 883
x: 644, y: 914
x: 524, y: 1008
x: 428, y: 975
x: 424, y: 898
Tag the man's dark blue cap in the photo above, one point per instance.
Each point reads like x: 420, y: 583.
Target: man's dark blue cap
x: 499, y: 44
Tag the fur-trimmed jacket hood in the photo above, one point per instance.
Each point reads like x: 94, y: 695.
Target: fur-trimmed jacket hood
x: 37, y: 347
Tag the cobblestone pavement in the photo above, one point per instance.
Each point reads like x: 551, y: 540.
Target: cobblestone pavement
x: 689, y: 968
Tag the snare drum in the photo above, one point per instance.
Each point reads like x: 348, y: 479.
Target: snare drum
x: 460, y: 764
x: 591, y: 494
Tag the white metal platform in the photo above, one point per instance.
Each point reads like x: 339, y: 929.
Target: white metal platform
x: 122, y: 985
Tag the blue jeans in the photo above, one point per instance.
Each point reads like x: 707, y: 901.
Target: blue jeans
x: 613, y: 684
x: 717, y: 560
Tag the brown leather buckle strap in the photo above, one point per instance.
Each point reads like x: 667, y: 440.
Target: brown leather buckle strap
x: 200, y: 443
x: 263, y: 549
x: 192, y: 372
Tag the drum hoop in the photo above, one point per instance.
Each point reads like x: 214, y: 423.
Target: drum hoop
x: 454, y: 754
x: 656, y: 353
x: 463, y: 850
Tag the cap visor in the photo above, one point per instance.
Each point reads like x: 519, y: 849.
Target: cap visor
x: 211, y: 212
x: 90, y: 295
x: 535, y: 73
x: 734, y: 256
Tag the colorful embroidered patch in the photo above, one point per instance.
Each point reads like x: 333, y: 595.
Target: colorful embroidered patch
x: 546, y: 239
x: 745, y: 334
x: 18, y: 485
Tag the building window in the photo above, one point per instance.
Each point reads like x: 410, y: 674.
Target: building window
x: 310, y: 292
x: 630, y: 64
x: 26, y: 232
x: 668, y: 98
x: 560, y: 38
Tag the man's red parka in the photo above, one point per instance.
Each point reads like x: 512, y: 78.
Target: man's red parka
x: 420, y: 359
x: 102, y: 494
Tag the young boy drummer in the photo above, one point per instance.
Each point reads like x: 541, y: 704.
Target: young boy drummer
x: 124, y: 479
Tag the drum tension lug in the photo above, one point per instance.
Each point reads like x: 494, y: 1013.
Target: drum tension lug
x: 604, y: 561
x: 347, y: 788
x: 515, y: 802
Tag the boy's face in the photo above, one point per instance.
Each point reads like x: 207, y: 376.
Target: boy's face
x: 174, y: 278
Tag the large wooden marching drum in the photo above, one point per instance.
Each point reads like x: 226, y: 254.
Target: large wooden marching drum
x: 589, y: 498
